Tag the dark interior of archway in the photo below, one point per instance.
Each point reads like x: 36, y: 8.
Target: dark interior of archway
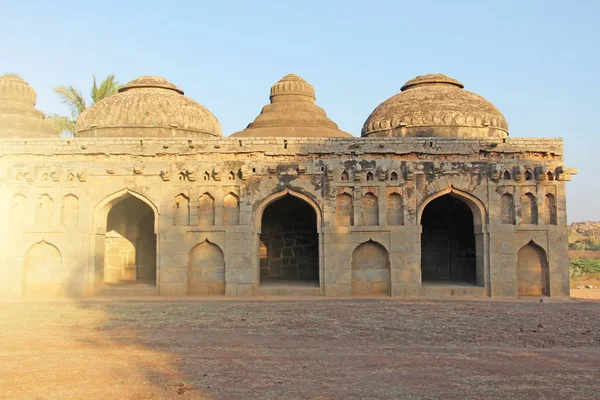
x: 289, y: 242
x: 130, y: 248
x: 448, y: 241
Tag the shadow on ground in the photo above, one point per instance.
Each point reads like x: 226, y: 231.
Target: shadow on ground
x: 317, y: 349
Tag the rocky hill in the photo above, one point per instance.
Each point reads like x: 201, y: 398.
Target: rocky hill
x: 587, y: 233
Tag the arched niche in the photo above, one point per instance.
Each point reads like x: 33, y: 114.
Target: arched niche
x: 533, y: 277
x: 370, y: 209
x: 370, y: 269
x: 507, y: 209
x: 344, y: 209
x: 231, y: 209
x: 70, y: 210
x: 42, y: 270
x: 206, y: 270
x: 206, y: 210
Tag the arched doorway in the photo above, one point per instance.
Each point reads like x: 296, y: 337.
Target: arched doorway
x: 370, y: 269
x: 448, y: 251
x: 126, y: 250
x: 289, y: 243
x: 43, y: 271
x: 206, y: 270
x: 532, y: 271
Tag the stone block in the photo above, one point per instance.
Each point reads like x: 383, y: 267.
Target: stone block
x: 173, y: 289
x: 172, y: 274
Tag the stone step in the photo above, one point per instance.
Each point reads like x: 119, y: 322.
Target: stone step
x: 289, y: 289
x: 126, y: 289
x: 452, y: 291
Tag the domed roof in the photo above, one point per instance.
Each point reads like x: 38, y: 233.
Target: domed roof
x: 18, y: 116
x: 148, y: 106
x: 436, y: 105
x: 292, y: 113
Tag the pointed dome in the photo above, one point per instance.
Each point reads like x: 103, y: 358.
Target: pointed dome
x: 436, y: 105
x: 292, y: 113
x: 18, y: 116
x: 149, y: 106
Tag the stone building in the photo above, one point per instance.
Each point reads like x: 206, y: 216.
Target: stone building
x: 149, y: 198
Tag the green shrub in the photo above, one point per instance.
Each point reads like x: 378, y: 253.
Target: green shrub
x: 580, y: 267
x: 592, y: 243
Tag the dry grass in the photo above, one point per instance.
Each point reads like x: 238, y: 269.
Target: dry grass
x: 322, y: 349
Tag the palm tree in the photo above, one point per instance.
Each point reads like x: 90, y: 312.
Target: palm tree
x: 76, y: 102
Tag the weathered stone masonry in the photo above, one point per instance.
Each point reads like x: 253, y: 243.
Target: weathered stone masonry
x: 150, y: 170
x: 433, y: 200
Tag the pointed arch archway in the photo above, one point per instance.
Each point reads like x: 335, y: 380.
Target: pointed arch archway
x: 288, y: 239
x: 206, y: 269
x: 125, y: 240
x: 370, y: 269
x: 42, y: 270
x: 533, y: 277
x: 453, y: 241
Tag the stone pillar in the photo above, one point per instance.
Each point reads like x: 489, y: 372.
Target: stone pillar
x: 218, y: 205
x: 382, y: 201
x: 357, y: 203
x: 405, y: 261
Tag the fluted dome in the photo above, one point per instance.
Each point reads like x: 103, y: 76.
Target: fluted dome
x: 292, y: 113
x: 148, y: 106
x: 18, y: 116
x: 436, y: 105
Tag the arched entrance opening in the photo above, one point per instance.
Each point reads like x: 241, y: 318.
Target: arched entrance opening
x: 289, y: 242
x: 448, y: 249
x: 370, y: 269
x: 126, y: 247
x: 532, y: 271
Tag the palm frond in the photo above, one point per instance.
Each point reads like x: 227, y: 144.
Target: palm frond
x: 107, y: 88
x: 61, y: 123
x: 72, y: 98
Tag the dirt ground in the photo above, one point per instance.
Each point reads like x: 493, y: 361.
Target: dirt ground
x: 307, y: 349
x: 590, y: 254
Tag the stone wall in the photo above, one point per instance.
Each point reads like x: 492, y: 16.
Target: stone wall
x: 60, y: 191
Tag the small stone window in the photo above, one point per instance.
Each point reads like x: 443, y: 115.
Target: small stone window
x: 549, y: 176
x: 506, y: 176
x: 528, y: 175
x: 345, y: 176
x: 369, y: 176
x: 393, y: 176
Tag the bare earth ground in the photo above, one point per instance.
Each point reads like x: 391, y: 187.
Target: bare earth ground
x: 308, y: 349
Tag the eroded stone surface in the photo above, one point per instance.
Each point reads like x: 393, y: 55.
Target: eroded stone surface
x: 199, y: 211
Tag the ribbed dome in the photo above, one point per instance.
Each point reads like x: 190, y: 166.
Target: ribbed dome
x: 292, y: 113
x: 149, y: 106
x: 18, y: 116
x: 436, y: 105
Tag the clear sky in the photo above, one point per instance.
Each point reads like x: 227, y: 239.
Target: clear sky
x: 537, y: 61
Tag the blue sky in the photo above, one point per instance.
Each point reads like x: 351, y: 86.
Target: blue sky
x: 537, y: 61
